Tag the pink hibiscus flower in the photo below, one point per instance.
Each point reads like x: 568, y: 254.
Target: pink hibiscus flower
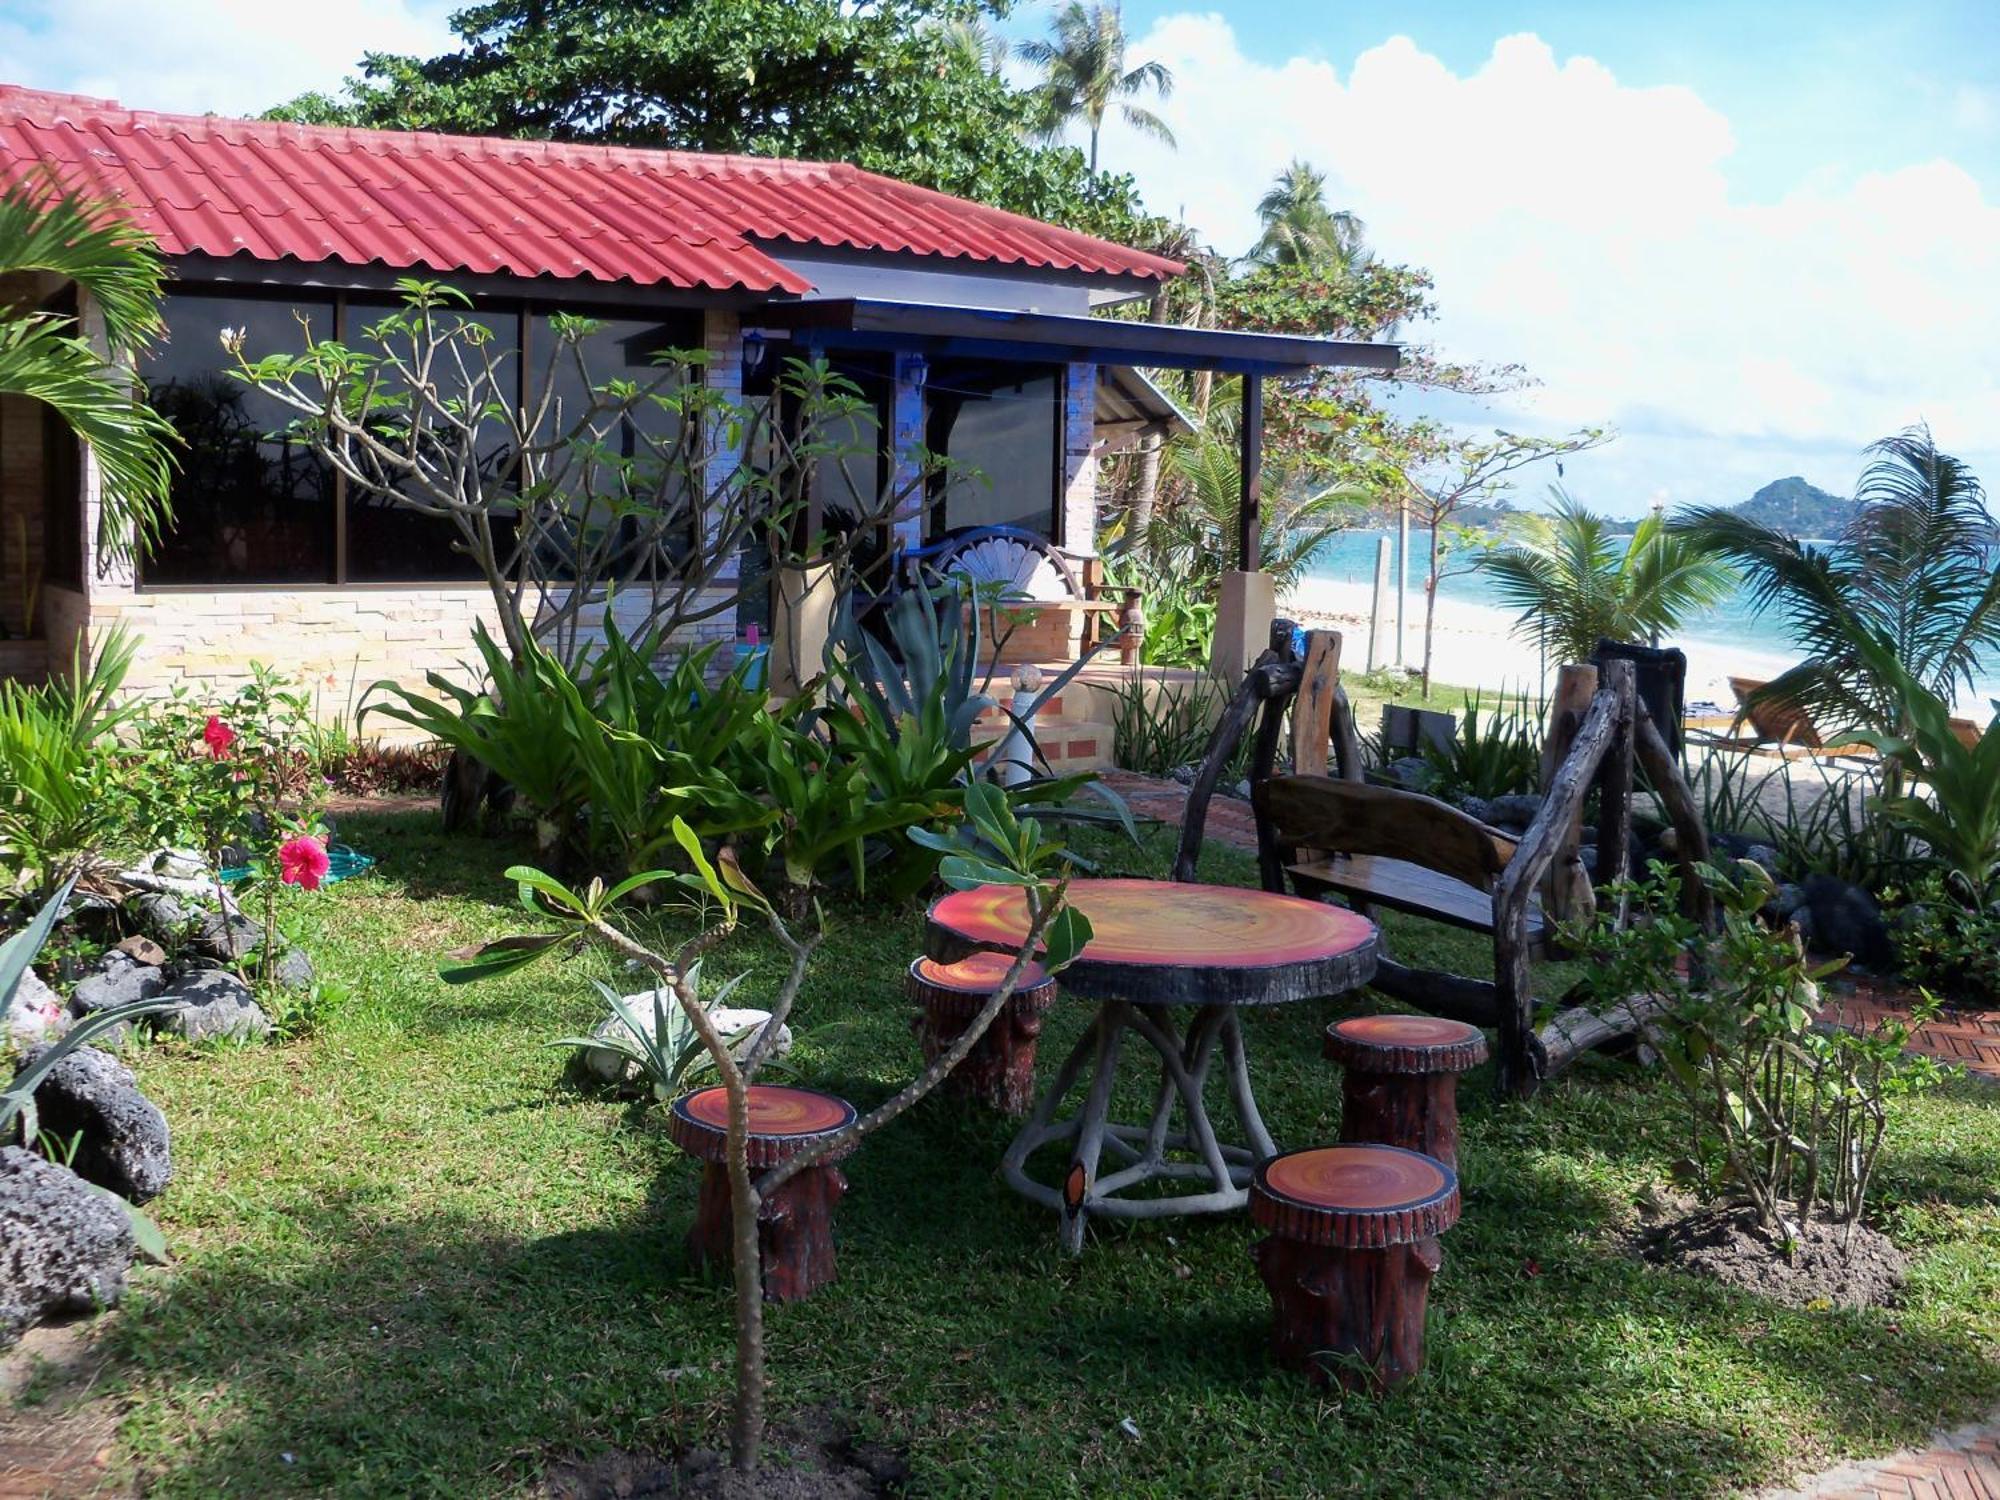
x: 302, y: 862
x: 218, y: 736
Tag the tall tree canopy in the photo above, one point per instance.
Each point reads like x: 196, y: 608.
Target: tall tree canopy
x: 889, y: 85
x: 1300, y: 229
x: 1084, y: 74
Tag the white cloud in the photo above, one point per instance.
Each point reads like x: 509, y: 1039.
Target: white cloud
x: 1588, y: 229
x: 207, y: 56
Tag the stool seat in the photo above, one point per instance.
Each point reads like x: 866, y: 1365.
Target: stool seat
x: 1358, y: 1197
x: 1405, y: 1044
x: 783, y: 1121
x: 979, y: 974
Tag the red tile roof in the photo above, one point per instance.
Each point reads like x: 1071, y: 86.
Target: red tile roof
x: 444, y: 203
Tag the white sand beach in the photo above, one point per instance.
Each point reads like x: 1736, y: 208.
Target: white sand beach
x: 1475, y: 645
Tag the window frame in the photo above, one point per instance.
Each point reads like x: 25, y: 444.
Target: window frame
x: 937, y: 491
x: 524, y: 307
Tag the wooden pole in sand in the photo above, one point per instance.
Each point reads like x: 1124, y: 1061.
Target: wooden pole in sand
x: 1376, y: 620
x: 1402, y: 574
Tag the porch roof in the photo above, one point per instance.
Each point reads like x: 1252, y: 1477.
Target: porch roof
x: 860, y: 323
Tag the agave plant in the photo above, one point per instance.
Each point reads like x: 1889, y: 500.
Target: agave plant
x: 669, y: 1055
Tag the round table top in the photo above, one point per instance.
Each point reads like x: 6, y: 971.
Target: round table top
x: 1157, y: 942
x: 1362, y: 1196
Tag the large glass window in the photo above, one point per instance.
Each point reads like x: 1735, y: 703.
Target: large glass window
x: 1001, y: 425
x: 388, y: 542
x: 249, y: 507
x: 641, y: 460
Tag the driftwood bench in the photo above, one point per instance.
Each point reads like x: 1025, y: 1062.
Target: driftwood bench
x: 1324, y: 831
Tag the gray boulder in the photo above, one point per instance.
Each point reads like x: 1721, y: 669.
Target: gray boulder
x: 116, y: 979
x: 227, y: 937
x: 64, y: 1246
x: 294, y: 970
x: 35, y: 1014
x: 121, y: 1135
x: 211, y: 1004
x: 1845, y: 919
x: 1515, y: 811
x: 163, y: 916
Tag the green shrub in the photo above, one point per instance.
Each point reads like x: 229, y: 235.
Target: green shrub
x: 1948, y: 946
x: 1789, y: 1116
x: 1497, y: 755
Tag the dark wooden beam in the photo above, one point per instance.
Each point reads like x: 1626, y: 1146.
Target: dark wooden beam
x: 1249, y: 522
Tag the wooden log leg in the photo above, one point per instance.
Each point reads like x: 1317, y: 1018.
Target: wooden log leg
x: 1238, y: 1063
x: 1082, y: 1174
x: 1040, y: 1129
x: 999, y: 1071
x: 1190, y: 1081
x: 794, y: 1230
x: 1353, y: 1317
x: 795, y: 1234
x: 708, y: 1242
x: 1417, y: 1111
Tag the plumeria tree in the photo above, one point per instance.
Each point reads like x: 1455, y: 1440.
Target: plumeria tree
x: 649, y: 490
x: 993, y: 846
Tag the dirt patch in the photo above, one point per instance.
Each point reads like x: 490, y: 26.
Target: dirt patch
x: 1826, y: 1268
x: 815, y: 1458
x: 56, y: 1426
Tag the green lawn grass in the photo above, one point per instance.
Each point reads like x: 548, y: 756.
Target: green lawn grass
x: 410, y: 1259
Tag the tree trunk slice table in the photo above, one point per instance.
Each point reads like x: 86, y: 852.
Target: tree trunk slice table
x: 1349, y: 1262
x: 999, y: 1071
x: 794, y: 1224
x: 1157, y: 945
x: 1399, y: 1084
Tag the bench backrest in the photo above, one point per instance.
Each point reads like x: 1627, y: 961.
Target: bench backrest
x: 1352, y: 817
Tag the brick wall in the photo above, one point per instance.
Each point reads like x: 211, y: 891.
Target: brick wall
x: 1080, y: 460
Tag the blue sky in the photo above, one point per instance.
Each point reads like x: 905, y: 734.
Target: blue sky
x: 1750, y: 237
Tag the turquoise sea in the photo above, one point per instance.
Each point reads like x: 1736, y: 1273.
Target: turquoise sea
x: 1734, y: 624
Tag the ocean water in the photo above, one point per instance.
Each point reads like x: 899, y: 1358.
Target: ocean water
x: 1734, y: 624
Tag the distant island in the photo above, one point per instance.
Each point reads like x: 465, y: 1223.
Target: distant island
x: 1791, y: 505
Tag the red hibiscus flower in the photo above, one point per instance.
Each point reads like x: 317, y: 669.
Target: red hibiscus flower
x: 218, y: 736
x: 302, y: 862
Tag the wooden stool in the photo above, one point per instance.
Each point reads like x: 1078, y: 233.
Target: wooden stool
x: 1000, y: 1069
x: 1349, y: 1262
x: 1400, y: 1084
x: 795, y: 1224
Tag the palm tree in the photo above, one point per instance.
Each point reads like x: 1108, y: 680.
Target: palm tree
x: 1575, y: 586
x: 1300, y: 229
x: 1084, y: 74
x: 1913, y: 569
x: 975, y: 42
x: 47, y: 228
x: 1193, y: 532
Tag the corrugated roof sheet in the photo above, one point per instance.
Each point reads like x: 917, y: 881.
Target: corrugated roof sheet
x: 415, y: 199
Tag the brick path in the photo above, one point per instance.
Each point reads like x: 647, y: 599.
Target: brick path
x: 1959, y: 1465
x: 1969, y: 1039
x: 1230, y: 820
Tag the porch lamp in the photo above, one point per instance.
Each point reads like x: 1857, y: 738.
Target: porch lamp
x: 914, y: 371
x: 753, y: 351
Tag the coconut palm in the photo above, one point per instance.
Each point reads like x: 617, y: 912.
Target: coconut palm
x: 976, y: 42
x: 47, y: 228
x: 1300, y: 229
x: 1193, y: 532
x: 1084, y: 74
x: 1913, y: 568
x: 1575, y: 585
